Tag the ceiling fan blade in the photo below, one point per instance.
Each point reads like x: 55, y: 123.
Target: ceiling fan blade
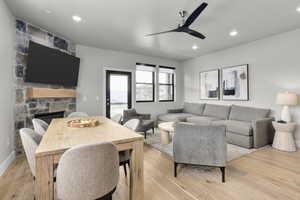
x: 195, y: 33
x: 174, y: 30
x: 195, y: 14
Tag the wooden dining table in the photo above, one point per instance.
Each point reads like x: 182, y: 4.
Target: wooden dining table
x: 59, y: 138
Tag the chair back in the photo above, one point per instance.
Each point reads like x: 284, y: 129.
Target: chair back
x: 200, y: 145
x: 129, y: 114
x: 117, y: 118
x: 30, y: 141
x: 132, y: 124
x: 40, y: 126
x: 88, y: 172
x: 78, y: 114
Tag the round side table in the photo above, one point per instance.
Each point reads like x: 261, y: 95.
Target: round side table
x: 166, y: 130
x: 284, y: 136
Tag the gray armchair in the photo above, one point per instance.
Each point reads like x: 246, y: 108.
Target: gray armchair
x: 145, y: 120
x: 200, y: 145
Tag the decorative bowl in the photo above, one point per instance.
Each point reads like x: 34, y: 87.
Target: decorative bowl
x: 83, y: 123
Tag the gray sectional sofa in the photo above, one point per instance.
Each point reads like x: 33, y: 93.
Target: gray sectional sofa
x: 245, y: 126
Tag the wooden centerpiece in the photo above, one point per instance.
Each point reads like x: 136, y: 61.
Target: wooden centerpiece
x: 83, y: 123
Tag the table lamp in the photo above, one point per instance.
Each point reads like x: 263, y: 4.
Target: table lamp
x: 286, y: 99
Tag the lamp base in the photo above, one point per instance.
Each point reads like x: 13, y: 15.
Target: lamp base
x: 285, y: 114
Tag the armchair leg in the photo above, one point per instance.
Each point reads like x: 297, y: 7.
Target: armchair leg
x: 223, y: 174
x: 125, y: 170
x: 175, y: 169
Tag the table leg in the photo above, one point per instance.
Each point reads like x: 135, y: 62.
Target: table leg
x: 137, y: 171
x: 44, y: 186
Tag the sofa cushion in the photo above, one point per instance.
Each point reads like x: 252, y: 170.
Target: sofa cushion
x: 217, y: 111
x: 240, y: 140
x: 248, y: 114
x: 239, y: 127
x: 193, y: 108
x: 172, y: 117
x: 201, y: 120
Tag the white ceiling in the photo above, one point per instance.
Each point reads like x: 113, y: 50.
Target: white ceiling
x: 122, y: 24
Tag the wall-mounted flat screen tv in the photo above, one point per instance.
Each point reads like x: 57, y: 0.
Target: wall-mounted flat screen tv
x: 51, y: 66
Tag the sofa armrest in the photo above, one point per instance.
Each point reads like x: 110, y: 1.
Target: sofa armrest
x: 178, y: 110
x: 263, y: 132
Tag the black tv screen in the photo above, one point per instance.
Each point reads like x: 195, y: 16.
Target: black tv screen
x: 51, y: 66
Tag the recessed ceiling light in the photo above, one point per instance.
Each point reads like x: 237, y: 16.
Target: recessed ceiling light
x: 48, y: 11
x: 194, y: 47
x: 76, y: 18
x: 298, y: 9
x: 233, y: 33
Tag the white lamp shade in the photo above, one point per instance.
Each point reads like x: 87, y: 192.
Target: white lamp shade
x: 287, y: 98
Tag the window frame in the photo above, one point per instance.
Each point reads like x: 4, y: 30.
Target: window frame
x: 167, y: 84
x: 153, y: 83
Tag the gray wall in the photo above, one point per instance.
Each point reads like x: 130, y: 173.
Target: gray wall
x: 7, y: 53
x: 91, y: 79
x: 274, y: 66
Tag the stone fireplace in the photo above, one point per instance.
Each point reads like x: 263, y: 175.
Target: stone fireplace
x: 47, y: 117
x: 28, y: 108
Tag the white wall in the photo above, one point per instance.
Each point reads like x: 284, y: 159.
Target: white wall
x: 7, y: 44
x: 274, y: 66
x: 92, y: 78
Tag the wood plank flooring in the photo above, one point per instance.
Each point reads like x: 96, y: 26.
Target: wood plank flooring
x: 264, y: 174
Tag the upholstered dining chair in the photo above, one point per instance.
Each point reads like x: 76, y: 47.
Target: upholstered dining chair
x: 124, y: 156
x: 88, y: 172
x: 40, y: 126
x: 117, y: 118
x: 200, y: 145
x: 78, y: 114
x: 30, y: 141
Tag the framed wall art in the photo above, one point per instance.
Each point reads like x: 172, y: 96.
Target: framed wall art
x: 210, y: 85
x: 235, y: 83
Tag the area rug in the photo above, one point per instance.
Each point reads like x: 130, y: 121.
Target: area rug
x: 233, y: 151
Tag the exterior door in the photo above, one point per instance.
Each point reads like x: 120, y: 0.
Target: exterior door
x: 118, y: 92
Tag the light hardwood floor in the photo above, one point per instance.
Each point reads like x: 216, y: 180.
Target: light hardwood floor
x: 265, y: 174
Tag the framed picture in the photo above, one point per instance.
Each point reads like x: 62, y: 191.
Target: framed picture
x: 210, y: 85
x: 235, y: 82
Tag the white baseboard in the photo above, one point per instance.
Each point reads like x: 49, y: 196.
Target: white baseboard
x: 6, y: 163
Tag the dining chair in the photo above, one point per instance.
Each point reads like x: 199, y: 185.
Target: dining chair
x: 125, y: 155
x: 78, y: 114
x: 40, y: 126
x: 117, y: 118
x: 88, y: 172
x: 132, y: 124
x: 30, y: 141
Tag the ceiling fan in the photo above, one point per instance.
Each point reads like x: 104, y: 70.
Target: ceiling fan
x: 184, y: 27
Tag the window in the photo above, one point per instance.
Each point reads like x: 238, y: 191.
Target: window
x: 145, y: 86
x: 166, y: 83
